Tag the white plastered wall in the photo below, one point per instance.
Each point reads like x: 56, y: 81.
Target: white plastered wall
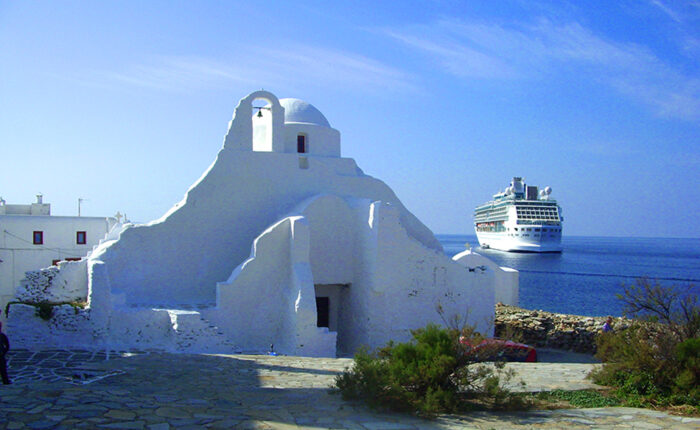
x: 391, y: 283
x: 242, y: 194
x: 320, y: 141
x: 507, y: 280
x: 400, y: 283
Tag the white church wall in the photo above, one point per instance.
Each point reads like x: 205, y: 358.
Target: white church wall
x: 272, y: 296
x: 238, y: 213
x: 402, y: 288
x: 506, y: 286
x: 506, y: 280
x: 65, y: 283
x: 139, y: 328
x: 257, y: 294
x: 332, y: 249
x: 309, y: 339
x: 68, y: 326
x: 320, y: 141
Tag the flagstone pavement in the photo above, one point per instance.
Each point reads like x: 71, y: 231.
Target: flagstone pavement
x: 142, y: 390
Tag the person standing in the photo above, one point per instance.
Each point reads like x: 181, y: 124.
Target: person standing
x: 607, y: 326
x: 4, y: 347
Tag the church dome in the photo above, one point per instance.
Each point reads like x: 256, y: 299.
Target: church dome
x: 296, y: 110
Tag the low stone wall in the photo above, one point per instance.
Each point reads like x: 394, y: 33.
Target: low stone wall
x: 550, y: 330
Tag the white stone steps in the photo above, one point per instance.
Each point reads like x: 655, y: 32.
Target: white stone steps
x: 193, y: 333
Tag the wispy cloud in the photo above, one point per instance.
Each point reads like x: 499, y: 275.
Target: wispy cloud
x: 458, y: 59
x: 685, y: 15
x: 262, y: 66
x: 332, y: 68
x: 541, y: 49
x: 671, y: 13
x: 168, y: 73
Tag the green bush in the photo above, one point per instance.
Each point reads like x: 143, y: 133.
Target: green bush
x: 44, y: 310
x: 656, y: 361
x: 428, y: 375
x: 687, y: 381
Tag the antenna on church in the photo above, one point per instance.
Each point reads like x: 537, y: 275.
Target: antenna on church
x: 80, y: 202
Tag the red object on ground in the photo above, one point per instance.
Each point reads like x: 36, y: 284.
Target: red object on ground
x: 494, y: 349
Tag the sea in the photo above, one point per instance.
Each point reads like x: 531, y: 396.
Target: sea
x: 586, y: 277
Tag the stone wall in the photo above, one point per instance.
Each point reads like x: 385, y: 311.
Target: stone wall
x: 65, y: 283
x: 550, y: 330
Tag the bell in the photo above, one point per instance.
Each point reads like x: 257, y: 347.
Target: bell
x: 259, y: 113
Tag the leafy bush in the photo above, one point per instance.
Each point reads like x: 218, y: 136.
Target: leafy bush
x: 430, y: 374
x: 688, y: 378
x: 44, y: 310
x: 656, y: 361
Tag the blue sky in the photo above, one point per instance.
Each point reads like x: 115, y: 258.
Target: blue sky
x: 125, y: 104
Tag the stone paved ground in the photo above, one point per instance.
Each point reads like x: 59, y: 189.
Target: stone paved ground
x: 63, y: 389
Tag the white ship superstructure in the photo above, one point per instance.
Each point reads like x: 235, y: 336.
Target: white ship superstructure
x: 520, y: 218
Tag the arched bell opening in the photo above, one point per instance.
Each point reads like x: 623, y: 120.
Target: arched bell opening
x: 258, y: 124
x: 262, y: 124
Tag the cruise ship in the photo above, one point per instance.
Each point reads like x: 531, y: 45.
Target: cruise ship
x: 520, y: 219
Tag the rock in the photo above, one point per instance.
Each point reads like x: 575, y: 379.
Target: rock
x: 546, y: 329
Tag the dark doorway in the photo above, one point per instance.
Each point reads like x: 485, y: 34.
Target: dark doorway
x: 301, y: 144
x: 323, y: 306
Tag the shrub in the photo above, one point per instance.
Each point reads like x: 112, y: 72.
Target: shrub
x: 687, y: 380
x: 677, y: 308
x: 656, y: 361
x: 44, y: 310
x: 430, y: 374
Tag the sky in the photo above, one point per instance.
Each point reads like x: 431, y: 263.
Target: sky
x: 125, y: 104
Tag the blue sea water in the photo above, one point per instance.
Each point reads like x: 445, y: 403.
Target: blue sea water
x: 585, y: 278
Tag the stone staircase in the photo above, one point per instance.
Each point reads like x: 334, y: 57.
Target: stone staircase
x: 193, y: 333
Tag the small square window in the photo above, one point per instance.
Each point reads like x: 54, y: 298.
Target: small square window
x: 81, y: 238
x: 38, y: 238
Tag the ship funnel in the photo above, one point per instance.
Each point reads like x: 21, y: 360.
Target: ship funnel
x: 531, y: 192
x: 517, y: 184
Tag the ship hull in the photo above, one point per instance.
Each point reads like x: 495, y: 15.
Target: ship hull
x: 503, y: 242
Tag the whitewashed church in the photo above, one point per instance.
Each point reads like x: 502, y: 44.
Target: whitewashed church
x: 281, y: 242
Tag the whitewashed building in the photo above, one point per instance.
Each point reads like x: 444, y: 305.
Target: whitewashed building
x: 281, y: 241
x: 31, y: 238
